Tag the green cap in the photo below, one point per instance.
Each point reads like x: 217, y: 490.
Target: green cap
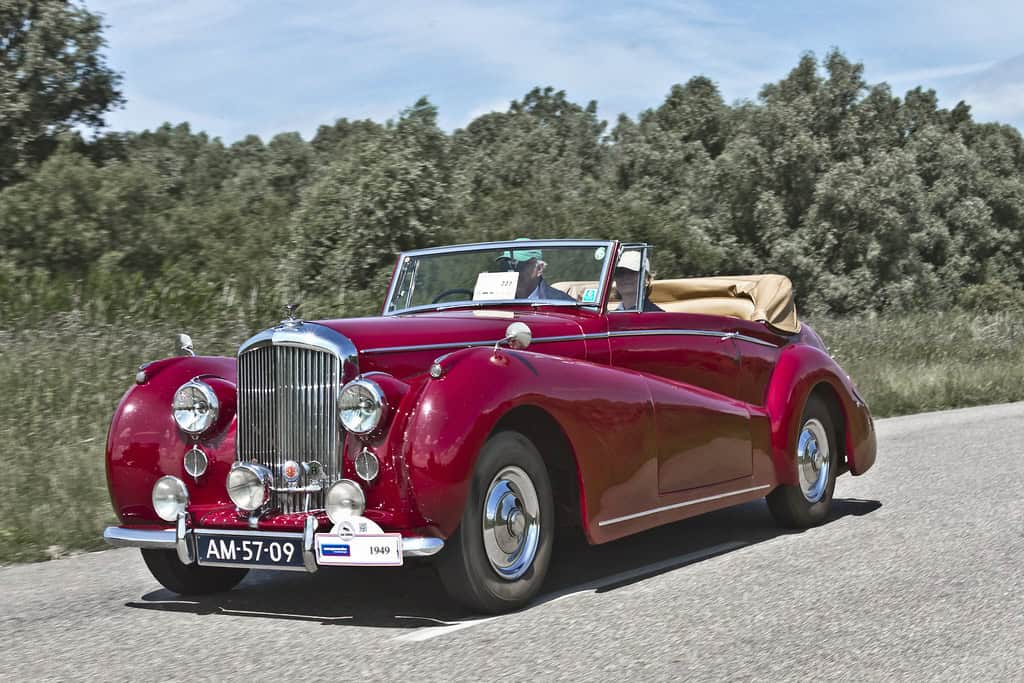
x: 521, y: 255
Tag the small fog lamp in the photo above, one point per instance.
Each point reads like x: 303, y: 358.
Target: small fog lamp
x: 249, y: 485
x: 367, y: 465
x: 196, y: 462
x: 170, y: 498
x: 345, y: 499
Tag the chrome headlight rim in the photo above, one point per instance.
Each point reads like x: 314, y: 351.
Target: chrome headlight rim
x: 208, y: 419
x: 244, y: 493
x: 173, y: 498
x: 377, y: 414
x: 344, y: 491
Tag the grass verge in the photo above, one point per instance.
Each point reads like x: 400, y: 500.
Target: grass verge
x: 62, y: 382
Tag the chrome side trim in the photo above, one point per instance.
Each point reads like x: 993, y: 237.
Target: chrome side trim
x: 575, y: 337
x: 421, y: 546
x: 121, y: 537
x: 666, y: 508
x: 691, y: 333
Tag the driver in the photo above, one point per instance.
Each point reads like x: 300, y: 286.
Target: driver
x: 531, y: 284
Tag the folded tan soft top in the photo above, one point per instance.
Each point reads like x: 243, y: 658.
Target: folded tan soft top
x: 767, y: 298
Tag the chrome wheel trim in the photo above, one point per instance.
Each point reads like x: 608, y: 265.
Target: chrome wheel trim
x: 813, y: 461
x: 511, y: 523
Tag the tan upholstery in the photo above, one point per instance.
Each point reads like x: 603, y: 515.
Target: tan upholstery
x: 767, y: 298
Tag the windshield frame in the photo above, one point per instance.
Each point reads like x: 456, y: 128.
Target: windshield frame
x: 611, y: 254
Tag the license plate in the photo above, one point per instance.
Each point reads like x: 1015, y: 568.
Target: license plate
x: 265, y: 550
x: 370, y: 550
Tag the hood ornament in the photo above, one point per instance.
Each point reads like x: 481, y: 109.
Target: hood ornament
x: 291, y: 320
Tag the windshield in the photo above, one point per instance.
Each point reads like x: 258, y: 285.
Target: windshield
x: 528, y: 271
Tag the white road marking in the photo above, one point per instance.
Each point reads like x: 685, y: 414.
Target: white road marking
x: 429, y: 632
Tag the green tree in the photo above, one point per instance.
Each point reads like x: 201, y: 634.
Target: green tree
x: 350, y: 223
x: 53, y: 76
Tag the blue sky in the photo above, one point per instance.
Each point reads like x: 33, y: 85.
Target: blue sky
x: 234, y: 67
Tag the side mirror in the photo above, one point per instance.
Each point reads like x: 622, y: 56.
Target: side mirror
x: 184, y: 343
x: 518, y: 335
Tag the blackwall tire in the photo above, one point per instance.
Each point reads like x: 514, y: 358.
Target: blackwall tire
x: 497, y: 559
x: 816, y: 458
x: 190, y: 579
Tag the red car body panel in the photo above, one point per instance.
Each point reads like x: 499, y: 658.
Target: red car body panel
x: 667, y: 415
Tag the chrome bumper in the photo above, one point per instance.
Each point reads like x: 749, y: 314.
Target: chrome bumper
x: 179, y: 538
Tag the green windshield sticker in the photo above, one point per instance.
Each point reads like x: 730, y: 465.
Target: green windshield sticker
x: 589, y: 295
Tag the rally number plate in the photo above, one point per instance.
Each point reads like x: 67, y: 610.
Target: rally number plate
x: 370, y: 550
x: 265, y: 550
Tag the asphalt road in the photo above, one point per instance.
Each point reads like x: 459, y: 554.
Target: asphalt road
x: 918, y: 575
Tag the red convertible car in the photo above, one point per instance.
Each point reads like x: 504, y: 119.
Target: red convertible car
x: 506, y: 389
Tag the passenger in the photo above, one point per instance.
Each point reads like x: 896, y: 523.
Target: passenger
x: 531, y: 284
x: 627, y: 275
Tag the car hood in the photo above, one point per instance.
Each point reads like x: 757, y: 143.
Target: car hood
x: 406, y: 344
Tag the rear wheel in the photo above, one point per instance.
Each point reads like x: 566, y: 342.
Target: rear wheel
x: 807, y: 503
x: 190, y: 579
x: 498, y: 558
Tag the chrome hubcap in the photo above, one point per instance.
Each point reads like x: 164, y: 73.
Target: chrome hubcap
x: 511, y: 523
x: 813, y: 463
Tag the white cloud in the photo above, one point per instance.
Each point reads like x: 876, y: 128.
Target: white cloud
x: 154, y: 23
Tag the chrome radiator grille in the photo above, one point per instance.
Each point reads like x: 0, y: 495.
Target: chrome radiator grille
x: 287, y: 410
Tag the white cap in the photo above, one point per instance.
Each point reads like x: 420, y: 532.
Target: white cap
x: 630, y: 260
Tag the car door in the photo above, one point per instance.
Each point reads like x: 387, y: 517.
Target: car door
x: 693, y: 365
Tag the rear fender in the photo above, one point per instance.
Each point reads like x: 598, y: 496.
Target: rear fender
x: 799, y: 371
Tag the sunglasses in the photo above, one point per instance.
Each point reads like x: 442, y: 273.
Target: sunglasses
x: 510, y: 264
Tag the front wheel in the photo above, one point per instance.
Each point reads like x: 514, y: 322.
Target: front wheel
x: 498, y: 558
x: 807, y: 503
x: 190, y: 579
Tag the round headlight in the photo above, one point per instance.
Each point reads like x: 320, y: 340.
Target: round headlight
x: 249, y: 485
x: 345, y: 499
x: 195, y: 407
x: 170, y: 497
x: 361, y: 406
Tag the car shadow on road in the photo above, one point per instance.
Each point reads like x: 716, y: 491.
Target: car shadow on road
x: 411, y: 596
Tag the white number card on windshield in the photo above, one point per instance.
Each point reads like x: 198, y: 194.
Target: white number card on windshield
x: 495, y: 286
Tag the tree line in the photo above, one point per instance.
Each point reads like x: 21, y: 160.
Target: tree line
x: 868, y: 200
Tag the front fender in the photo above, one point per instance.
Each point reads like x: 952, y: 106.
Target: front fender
x: 606, y: 415
x: 144, y: 443
x: 799, y: 371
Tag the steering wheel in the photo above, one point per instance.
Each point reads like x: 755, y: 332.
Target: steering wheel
x: 449, y: 292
